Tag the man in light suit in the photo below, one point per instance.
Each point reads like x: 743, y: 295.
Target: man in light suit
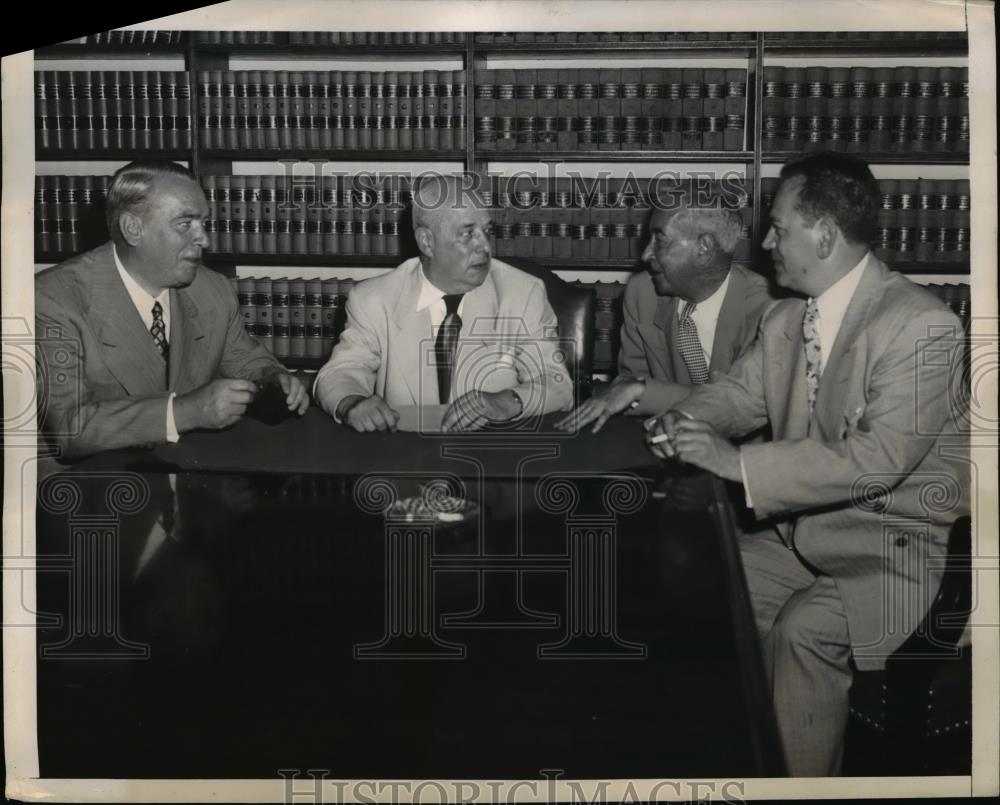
x: 692, y: 314
x: 868, y: 467
x: 450, y: 327
x: 138, y: 343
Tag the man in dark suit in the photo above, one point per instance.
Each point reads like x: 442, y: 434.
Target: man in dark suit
x: 692, y: 314
x: 868, y: 467
x: 138, y: 342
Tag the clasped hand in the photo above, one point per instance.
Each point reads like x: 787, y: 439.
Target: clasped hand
x: 676, y: 435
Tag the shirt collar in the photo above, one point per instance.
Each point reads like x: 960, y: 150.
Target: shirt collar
x: 709, y: 308
x: 833, y: 302
x: 140, y: 296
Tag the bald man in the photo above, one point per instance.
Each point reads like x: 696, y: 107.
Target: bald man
x: 450, y: 327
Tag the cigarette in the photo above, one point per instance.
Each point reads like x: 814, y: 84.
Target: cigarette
x: 660, y: 437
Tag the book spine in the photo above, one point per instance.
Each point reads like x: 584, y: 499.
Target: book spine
x: 297, y: 318
x: 314, y: 319
x: 281, y: 317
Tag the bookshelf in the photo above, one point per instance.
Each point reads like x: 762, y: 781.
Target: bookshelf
x: 649, y: 99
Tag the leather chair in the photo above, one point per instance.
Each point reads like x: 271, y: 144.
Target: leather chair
x: 915, y: 716
x: 574, y: 309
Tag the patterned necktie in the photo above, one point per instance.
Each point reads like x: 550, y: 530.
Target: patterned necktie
x: 690, y: 347
x: 444, y: 347
x: 814, y: 352
x: 159, y: 332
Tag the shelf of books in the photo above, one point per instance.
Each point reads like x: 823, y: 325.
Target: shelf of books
x: 246, y: 101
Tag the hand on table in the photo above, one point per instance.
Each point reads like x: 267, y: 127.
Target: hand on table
x: 215, y: 405
x: 367, y: 414
x: 476, y: 409
x: 601, y: 407
x: 296, y: 396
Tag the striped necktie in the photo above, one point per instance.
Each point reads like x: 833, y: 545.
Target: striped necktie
x: 689, y: 345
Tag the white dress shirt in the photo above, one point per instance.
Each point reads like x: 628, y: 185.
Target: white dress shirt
x: 706, y: 317
x: 432, y: 297
x: 144, y: 302
x: 831, y: 305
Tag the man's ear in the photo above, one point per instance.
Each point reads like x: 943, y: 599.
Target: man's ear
x: 706, y: 246
x: 425, y: 240
x: 826, y: 233
x: 131, y: 227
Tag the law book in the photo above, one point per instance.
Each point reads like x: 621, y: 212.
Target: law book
x: 269, y: 109
x: 281, y: 317
x: 43, y: 240
x: 345, y: 221
x: 264, y: 332
x: 285, y: 208
x: 140, y: 121
x: 330, y: 306
x: 607, y: 323
x: 85, y: 116
x: 246, y: 123
x: 42, y: 102
x: 328, y: 215
x: 297, y: 317
x: 246, y: 297
x: 300, y: 198
x: 209, y: 186
x: 268, y: 215
x: 314, y: 319
x: 238, y: 213
x: 223, y: 226
x: 459, y: 108
x: 253, y: 228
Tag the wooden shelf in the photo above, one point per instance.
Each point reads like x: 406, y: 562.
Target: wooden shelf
x: 693, y: 47
x: 333, y: 154
x: 885, y: 157
x: 615, y: 156
x: 923, y: 46
x: 113, y: 51
x: 292, y: 259
x: 327, y: 51
x: 75, y: 155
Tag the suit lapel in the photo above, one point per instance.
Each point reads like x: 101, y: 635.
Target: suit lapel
x: 786, y: 377
x: 850, y: 341
x: 413, y: 327
x: 127, y: 346
x: 185, y: 331
x: 666, y: 317
x: 727, y: 328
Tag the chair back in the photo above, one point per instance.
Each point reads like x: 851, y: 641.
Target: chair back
x: 574, y: 309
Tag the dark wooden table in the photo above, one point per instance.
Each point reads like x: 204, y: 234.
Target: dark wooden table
x: 239, y: 603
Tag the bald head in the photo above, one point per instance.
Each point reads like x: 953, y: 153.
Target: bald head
x: 452, y: 228
x: 437, y: 195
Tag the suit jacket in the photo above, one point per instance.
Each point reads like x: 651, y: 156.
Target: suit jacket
x: 102, y: 383
x: 869, y: 486
x: 507, y: 341
x: 649, y: 348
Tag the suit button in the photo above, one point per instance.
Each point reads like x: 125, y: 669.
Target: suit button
x: 901, y: 542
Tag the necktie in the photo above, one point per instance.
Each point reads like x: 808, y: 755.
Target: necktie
x: 159, y: 332
x: 444, y: 347
x: 814, y: 352
x: 689, y: 345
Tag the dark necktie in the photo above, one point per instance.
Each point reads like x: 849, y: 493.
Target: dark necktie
x: 159, y: 332
x: 814, y: 352
x: 689, y: 345
x: 444, y: 347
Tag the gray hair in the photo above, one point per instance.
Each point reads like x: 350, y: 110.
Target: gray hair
x: 132, y: 187
x: 435, y: 194
x: 722, y: 224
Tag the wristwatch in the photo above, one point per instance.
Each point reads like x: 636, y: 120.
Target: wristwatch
x: 520, y: 402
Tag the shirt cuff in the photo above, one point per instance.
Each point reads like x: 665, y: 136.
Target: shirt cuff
x: 172, y: 435
x: 746, y: 486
